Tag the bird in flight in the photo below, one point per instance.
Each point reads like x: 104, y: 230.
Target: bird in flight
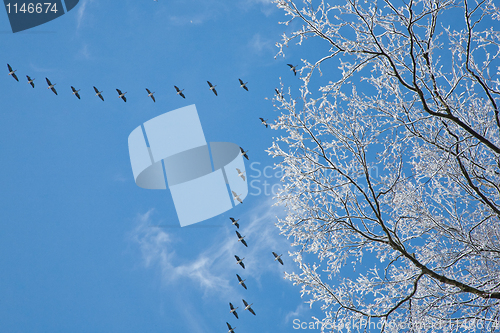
x: 239, y: 261
x: 121, y: 95
x: 150, y: 94
x: 247, y: 307
x: 235, y: 222
x: 243, y: 85
x: 244, y: 153
x: 179, y: 92
x: 241, y: 174
x: 51, y: 86
x: 278, y: 257
x: 231, y: 329
x: 237, y: 197
x: 212, y: 87
x: 240, y: 239
x: 292, y: 68
x: 30, y: 81
x: 12, y: 72
x: 242, y: 282
x: 98, y: 93
x: 233, y: 310
x: 75, y: 92
x: 264, y: 122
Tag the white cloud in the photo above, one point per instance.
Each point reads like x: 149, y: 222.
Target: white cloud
x: 259, y: 44
x: 214, y: 268
x: 81, y: 13
x: 298, y: 313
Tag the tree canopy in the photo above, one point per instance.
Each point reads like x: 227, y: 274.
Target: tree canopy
x: 391, y: 162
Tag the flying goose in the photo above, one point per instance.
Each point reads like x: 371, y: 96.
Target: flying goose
x: 235, y: 222
x: 30, y: 81
x: 237, y: 197
x: 244, y: 153
x: 278, y: 257
x: 231, y: 329
x: 12, y: 72
x: 51, y: 86
x: 98, y: 93
x: 233, y: 310
x: 75, y: 92
x: 243, y: 85
x: 240, y: 261
x: 241, y: 174
x: 247, y: 307
x: 179, y: 92
x: 292, y: 68
x: 150, y: 94
x: 121, y: 95
x: 264, y: 122
x: 242, y: 282
x: 212, y: 87
x: 240, y: 239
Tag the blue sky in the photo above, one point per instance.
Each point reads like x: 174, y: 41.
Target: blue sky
x: 78, y: 248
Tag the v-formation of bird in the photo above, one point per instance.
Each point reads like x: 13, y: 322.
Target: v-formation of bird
x: 150, y: 94
x: 121, y: 95
x: 239, y: 261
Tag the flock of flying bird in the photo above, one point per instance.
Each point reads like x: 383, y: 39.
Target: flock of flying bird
x: 239, y: 261
x: 241, y: 239
x: 121, y: 94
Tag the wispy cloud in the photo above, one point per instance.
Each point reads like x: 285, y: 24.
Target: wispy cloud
x: 84, y: 51
x: 298, y: 313
x: 81, y: 13
x: 214, y: 267
x: 258, y: 44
